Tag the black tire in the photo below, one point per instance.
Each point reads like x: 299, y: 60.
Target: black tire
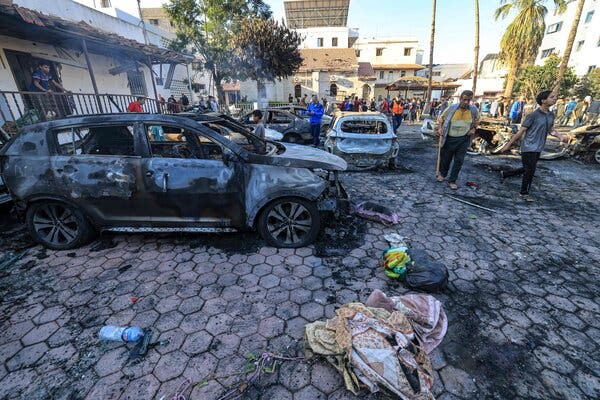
x: 392, y: 163
x: 292, y: 138
x: 57, y: 225
x: 289, y: 222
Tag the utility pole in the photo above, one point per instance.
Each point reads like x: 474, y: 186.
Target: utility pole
x: 431, y: 45
x: 146, y: 41
x: 476, y: 63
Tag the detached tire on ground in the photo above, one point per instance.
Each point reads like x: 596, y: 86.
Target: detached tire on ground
x: 289, y: 222
x: 57, y: 225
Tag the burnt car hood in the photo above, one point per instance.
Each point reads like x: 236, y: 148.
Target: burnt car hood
x: 299, y: 156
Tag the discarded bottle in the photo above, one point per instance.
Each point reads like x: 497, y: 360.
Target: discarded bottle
x: 121, y: 333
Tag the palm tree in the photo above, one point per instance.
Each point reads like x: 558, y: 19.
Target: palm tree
x: 476, y: 63
x: 431, y: 43
x: 523, y: 37
x: 569, y: 48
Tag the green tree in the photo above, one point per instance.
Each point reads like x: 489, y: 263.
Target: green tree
x: 266, y: 50
x: 589, y: 85
x: 532, y: 79
x: 210, y: 28
x: 523, y: 37
x: 569, y: 47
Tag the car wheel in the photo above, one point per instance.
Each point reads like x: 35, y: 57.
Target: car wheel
x: 597, y: 156
x: 289, y: 222
x: 57, y: 225
x: 292, y: 138
x: 392, y: 163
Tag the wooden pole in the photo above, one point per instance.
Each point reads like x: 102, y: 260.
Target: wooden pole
x: 92, y: 77
x: 476, y: 62
x: 431, y: 45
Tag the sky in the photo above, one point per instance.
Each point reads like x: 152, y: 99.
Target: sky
x: 455, y: 27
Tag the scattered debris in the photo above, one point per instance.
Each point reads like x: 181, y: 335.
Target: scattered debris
x: 142, y: 345
x: 395, y: 261
x: 376, y: 212
x: 375, y: 348
x: 105, y: 242
x: 469, y: 203
x: 10, y: 258
x: 340, y: 237
x: 472, y: 184
x: 121, y: 333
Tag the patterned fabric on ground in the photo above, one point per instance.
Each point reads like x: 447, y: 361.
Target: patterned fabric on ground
x: 375, y: 347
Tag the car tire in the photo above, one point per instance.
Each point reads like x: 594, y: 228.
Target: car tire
x: 292, y: 138
x: 597, y: 156
x: 392, y: 163
x: 289, y: 222
x: 57, y: 225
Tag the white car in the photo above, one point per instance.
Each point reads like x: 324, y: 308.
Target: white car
x: 272, y: 134
x: 364, y: 140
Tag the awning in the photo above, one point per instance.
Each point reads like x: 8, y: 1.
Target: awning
x: 27, y: 24
x: 419, y: 83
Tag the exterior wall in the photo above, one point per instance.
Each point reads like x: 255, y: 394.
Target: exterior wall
x: 589, y: 54
x: 160, y: 15
x: 393, y: 50
x: 443, y: 72
x: 310, y: 36
x: 492, y: 68
x: 486, y: 88
x: 73, y: 72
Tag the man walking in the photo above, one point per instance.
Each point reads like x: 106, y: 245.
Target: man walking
x: 536, y: 127
x: 397, y: 110
x: 315, y: 112
x: 457, y: 126
x: 516, y: 111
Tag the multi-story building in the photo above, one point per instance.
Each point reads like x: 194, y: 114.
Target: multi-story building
x: 586, y: 49
x: 158, y: 17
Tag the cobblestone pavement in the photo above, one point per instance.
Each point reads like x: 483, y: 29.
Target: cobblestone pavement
x: 523, y: 302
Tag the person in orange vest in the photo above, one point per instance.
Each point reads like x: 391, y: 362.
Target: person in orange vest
x: 397, y: 110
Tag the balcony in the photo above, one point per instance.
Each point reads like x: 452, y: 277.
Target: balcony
x: 18, y: 108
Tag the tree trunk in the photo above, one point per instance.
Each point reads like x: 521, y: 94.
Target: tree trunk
x: 476, y: 62
x: 219, y: 86
x: 510, y: 80
x: 565, y: 61
x: 431, y: 44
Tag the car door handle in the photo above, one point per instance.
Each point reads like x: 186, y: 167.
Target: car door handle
x: 149, y: 173
x: 165, y: 179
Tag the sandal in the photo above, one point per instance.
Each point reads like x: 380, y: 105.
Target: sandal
x: 440, y: 178
x: 453, y: 186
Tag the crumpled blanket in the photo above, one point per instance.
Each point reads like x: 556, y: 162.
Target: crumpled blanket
x: 376, y: 212
x: 374, y: 347
x: 425, y: 313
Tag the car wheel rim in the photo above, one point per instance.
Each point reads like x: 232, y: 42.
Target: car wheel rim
x: 55, y: 224
x: 289, y: 222
x: 597, y: 156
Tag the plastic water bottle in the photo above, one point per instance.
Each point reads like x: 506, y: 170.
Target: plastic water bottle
x: 121, y: 333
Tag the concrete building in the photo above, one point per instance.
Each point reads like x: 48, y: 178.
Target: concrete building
x: 490, y: 80
x: 104, y: 69
x: 586, y: 48
x: 446, y: 72
x: 158, y: 17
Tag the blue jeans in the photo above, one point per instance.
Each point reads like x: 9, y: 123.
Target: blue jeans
x: 315, y: 130
x: 396, y: 121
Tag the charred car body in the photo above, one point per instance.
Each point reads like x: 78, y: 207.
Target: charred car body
x: 302, y: 112
x: 294, y: 128
x: 364, y: 140
x: 108, y: 172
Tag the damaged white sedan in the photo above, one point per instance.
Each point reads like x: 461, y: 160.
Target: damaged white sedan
x: 364, y: 140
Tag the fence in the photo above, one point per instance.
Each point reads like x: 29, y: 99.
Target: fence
x: 24, y: 108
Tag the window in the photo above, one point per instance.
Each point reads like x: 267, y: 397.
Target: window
x: 277, y: 117
x: 546, y: 53
x: 407, y: 51
x: 436, y: 73
x: 580, y: 45
x: 364, y: 126
x: 168, y: 142
x: 357, y: 53
x: 381, y: 74
x: 297, y: 91
x: 320, y: 42
x: 153, y: 21
x: 334, y: 42
x: 379, y: 52
x: 402, y: 73
x: 589, y: 16
x: 554, y: 27
x: 104, y: 3
x: 591, y: 68
x: 104, y: 140
x: 137, y: 83
x: 333, y: 89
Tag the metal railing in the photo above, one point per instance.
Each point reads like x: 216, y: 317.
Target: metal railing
x: 24, y: 108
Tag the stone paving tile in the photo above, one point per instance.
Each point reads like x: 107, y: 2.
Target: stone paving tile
x: 522, y: 304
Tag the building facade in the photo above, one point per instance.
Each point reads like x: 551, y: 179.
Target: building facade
x: 586, y: 48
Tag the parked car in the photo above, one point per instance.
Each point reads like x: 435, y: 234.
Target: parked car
x: 270, y: 134
x: 364, y: 140
x: 294, y: 129
x: 78, y: 175
x: 301, y: 112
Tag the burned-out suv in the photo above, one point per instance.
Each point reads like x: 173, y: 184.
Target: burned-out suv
x: 146, y: 172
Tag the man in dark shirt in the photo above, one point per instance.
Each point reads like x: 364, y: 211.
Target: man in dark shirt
x: 184, y: 100
x: 535, y: 128
x: 41, y: 79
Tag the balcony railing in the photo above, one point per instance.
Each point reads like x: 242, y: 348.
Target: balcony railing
x: 24, y: 108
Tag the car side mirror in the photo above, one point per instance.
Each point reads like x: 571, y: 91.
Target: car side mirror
x: 228, y: 157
